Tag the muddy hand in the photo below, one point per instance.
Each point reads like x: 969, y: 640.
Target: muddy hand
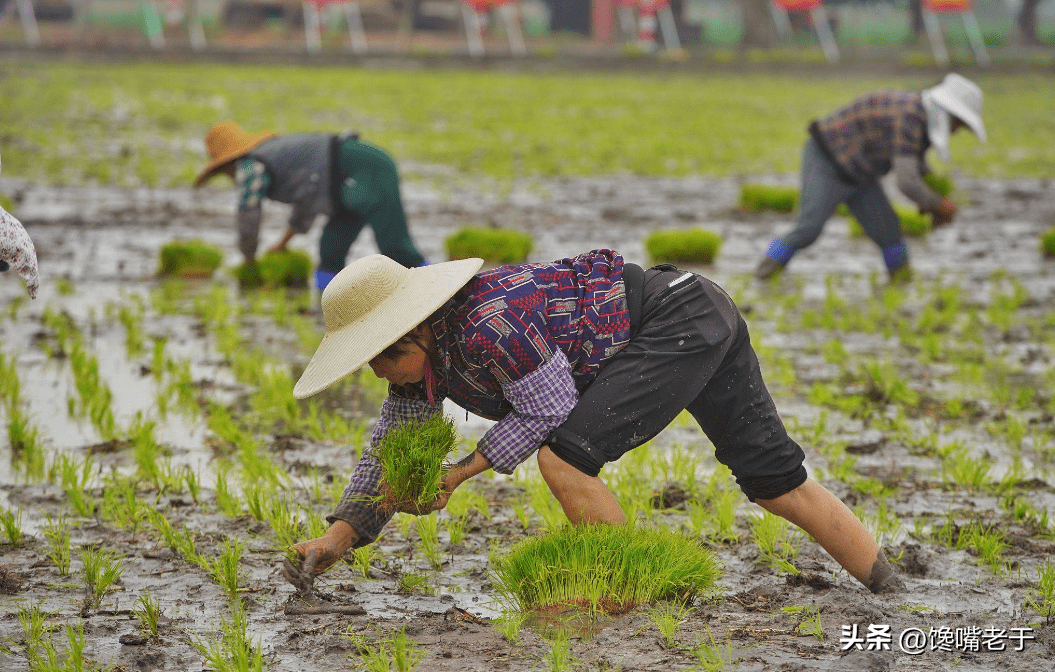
x: 303, y: 576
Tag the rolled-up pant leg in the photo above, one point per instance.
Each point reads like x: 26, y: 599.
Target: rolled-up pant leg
x: 692, y: 351
x: 872, y: 208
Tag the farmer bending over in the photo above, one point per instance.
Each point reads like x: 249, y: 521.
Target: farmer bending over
x: 350, y: 181
x: 579, y: 361
x: 17, y: 251
x: 852, y: 148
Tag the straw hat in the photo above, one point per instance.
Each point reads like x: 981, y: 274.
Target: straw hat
x: 370, y: 305
x: 958, y: 96
x: 225, y: 142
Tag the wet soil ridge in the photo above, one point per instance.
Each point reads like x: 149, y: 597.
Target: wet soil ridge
x: 150, y: 426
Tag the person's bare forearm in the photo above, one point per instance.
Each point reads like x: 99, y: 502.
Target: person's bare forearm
x: 471, y: 465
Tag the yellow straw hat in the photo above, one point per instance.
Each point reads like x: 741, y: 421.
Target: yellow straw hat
x: 370, y: 305
x: 226, y: 142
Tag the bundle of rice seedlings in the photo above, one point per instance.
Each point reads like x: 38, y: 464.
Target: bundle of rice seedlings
x: 501, y: 246
x: 189, y: 259
x: 284, y: 268
x: 690, y: 245
x: 941, y: 184
x: 609, y: 568
x: 1047, y: 243
x: 913, y: 223
x: 413, y: 459
x: 759, y: 197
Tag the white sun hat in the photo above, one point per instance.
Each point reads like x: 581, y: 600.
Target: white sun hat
x: 370, y: 305
x: 956, y: 96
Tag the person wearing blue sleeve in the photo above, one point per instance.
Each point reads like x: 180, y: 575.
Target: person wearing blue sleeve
x: 349, y: 181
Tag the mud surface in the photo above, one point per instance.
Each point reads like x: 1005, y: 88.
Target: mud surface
x: 104, y: 244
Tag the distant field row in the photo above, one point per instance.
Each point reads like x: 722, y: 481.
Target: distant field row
x: 131, y: 125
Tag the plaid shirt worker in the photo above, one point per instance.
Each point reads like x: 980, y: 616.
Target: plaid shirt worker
x: 517, y: 344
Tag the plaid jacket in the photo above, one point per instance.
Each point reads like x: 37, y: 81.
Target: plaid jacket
x: 863, y: 137
x: 517, y: 344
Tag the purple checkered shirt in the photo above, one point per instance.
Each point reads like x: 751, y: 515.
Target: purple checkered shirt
x: 517, y: 344
x: 864, y: 137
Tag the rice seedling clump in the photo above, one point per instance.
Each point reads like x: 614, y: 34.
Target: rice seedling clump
x: 611, y: 568
x: 913, y: 222
x: 189, y: 258
x: 283, y: 268
x: 413, y: 459
x: 496, y: 245
x: 691, y: 246
x: 1047, y: 242
x: 759, y: 197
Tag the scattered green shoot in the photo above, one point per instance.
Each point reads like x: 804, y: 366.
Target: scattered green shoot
x: 57, y: 536
x: 809, y: 620
x: 428, y: 532
x: 148, y: 612
x: 410, y: 583
x: 667, y: 618
x: 11, y: 526
x: 101, y: 570
x: 714, y: 656
x: 1042, y: 596
x: 232, y: 650
x: 396, y: 653
x: 509, y: 624
x: 224, y: 568
x: 775, y: 540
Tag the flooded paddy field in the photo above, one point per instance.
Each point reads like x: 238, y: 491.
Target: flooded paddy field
x: 156, y: 466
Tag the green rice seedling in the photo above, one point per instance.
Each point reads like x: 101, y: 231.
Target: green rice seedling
x: 180, y: 541
x: 546, y: 505
x: 913, y: 222
x: 74, y: 477
x: 37, y: 635
x: 410, y: 583
x: 283, y: 268
x: 712, y: 656
x: 224, y: 568
x: 759, y: 197
x: 941, y: 184
x: 363, y: 559
x: 231, y: 650
x: 14, y: 305
x: 501, y: 246
x: 455, y: 530
x: 1047, y: 243
x: 11, y: 526
x: 559, y: 658
x: 189, y: 259
x: 509, y: 624
x: 428, y: 533
x: 809, y: 617
x: 413, y: 461
x: 602, y: 568
x: 95, y: 396
x: 148, y: 612
x: 122, y: 505
x: 694, y: 246
x: 520, y: 511
x: 27, y: 452
x: 667, y: 618
x: 10, y: 385
x: 228, y: 501
x: 396, y: 653
x: 988, y: 544
x: 1042, y: 596
x: 65, y: 287
x: 775, y: 540
x: 131, y: 317
x: 959, y: 468
x: 57, y: 536
x: 101, y: 569
x: 191, y: 482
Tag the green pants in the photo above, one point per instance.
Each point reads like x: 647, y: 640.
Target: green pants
x: 366, y: 191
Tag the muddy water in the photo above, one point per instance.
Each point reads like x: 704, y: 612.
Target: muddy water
x: 104, y: 242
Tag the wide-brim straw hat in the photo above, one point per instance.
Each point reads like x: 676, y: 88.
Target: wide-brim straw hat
x: 961, y: 98
x: 370, y: 305
x: 225, y: 142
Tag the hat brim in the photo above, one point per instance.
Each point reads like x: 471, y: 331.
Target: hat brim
x: 251, y: 141
x: 346, y: 350
x: 954, y: 107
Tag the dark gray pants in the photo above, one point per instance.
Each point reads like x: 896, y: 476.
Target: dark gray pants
x: 822, y: 191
